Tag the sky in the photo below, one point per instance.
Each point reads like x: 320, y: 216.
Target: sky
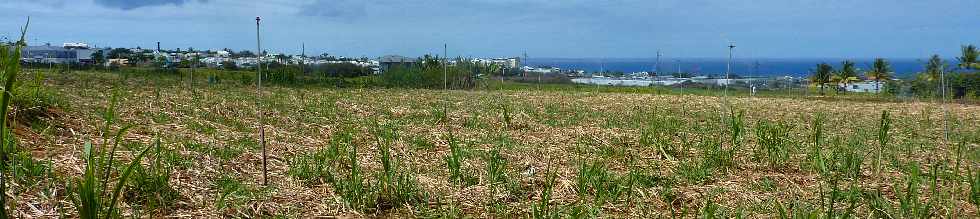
x: 494, y: 28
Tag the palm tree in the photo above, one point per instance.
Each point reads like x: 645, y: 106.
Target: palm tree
x: 932, y: 74
x: 847, y: 73
x: 822, y: 75
x: 968, y: 60
x: 881, y: 70
x: 933, y: 66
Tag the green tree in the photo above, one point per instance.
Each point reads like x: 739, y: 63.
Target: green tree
x: 229, y: 65
x: 881, y: 70
x: 822, y: 75
x: 929, y: 79
x: 933, y: 68
x: 119, y: 53
x: 99, y: 57
x: 968, y: 60
x: 847, y: 73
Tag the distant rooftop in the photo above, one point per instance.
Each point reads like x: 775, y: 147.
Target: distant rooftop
x: 396, y: 58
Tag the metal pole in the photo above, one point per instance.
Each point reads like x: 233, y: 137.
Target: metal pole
x: 193, y: 66
x: 657, y: 70
x: 445, y: 66
x: 501, y: 77
x: 524, y: 74
x: 258, y: 58
x: 728, y: 70
x: 677, y: 62
x: 752, y: 80
x: 602, y: 68
x: 942, y: 82
x: 554, y: 65
x: 728, y: 67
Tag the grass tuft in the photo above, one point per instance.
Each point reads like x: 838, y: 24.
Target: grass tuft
x: 774, y: 143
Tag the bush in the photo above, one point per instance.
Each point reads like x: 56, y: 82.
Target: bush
x: 774, y: 143
x: 430, y: 73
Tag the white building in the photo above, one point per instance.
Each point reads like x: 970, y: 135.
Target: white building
x: 222, y: 53
x: 543, y: 70
x: 864, y: 87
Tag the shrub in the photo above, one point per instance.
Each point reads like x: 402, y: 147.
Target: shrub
x: 150, y: 186
x: 773, y: 143
x: 90, y: 192
x: 431, y: 73
x: 454, y: 163
x: 597, y: 181
x: 542, y: 208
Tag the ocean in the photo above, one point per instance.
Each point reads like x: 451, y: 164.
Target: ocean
x: 713, y: 66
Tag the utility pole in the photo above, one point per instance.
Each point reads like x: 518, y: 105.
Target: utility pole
x: 602, y: 69
x: 657, y: 70
x: 501, y: 77
x: 302, y: 59
x: 540, y: 73
x: 193, y: 66
x: 755, y: 69
x: 445, y: 66
x: 728, y: 72
x: 942, y: 82
x: 728, y: 68
x: 258, y: 58
x: 677, y: 63
x: 524, y: 74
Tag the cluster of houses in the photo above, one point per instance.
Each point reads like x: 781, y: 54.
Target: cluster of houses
x: 81, y: 53
x: 390, y: 61
x: 644, y: 79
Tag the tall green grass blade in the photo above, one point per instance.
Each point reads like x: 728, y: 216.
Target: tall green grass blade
x: 10, y: 67
x: 122, y: 181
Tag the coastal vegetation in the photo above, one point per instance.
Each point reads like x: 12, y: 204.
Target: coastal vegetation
x: 962, y: 80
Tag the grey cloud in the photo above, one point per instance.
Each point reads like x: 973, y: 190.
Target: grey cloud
x: 344, y: 9
x: 133, y: 4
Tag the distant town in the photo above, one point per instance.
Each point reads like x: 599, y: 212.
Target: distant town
x: 74, y: 53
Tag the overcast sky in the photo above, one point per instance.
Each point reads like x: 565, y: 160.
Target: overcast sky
x: 543, y: 28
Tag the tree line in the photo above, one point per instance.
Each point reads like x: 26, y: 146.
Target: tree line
x: 963, y: 80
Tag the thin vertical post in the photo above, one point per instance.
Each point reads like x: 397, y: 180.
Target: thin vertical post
x: 445, y: 66
x: 258, y: 58
x: 524, y: 73
x: 602, y: 69
x: 942, y: 82
x: 501, y: 77
x: 728, y: 72
x: 541, y: 73
x: 193, y: 68
x: 677, y: 63
x: 657, y: 70
x: 728, y: 67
